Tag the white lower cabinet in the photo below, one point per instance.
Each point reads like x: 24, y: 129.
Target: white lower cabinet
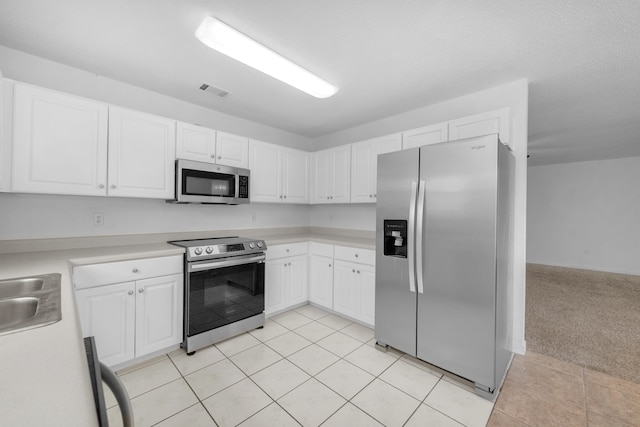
x: 132, y: 318
x: 354, y: 284
x: 285, y: 277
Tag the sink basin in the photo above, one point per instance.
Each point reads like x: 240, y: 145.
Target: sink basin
x: 19, y: 287
x: 17, y: 310
x: 29, y: 302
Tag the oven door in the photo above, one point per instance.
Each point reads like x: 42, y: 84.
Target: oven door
x: 223, y: 291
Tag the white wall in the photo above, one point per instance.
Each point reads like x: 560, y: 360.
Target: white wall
x: 350, y: 216
x: 513, y: 95
x: 585, y: 215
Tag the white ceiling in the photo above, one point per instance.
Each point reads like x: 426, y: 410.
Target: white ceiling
x: 582, y: 59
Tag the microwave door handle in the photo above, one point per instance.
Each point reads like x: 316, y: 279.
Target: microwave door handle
x: 420, y: 221
x: 411, y: 237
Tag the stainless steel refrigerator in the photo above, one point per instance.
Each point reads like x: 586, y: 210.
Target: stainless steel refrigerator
x: 443, y: 237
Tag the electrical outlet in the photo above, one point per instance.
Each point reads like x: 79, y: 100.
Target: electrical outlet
x: 98, y: 219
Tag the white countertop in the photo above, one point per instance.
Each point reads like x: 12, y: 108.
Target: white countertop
x: 44, y: 378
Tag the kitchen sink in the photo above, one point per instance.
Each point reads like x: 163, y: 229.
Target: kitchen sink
x: 18, y: 287
x: 29, y: 302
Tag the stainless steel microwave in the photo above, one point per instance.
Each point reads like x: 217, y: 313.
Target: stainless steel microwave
x: 198, y: 182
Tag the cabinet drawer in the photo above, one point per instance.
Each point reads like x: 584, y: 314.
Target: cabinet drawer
x: 321, y: 249
x: 289, y: 249
x: 87, y: 276
x: 362, y: 256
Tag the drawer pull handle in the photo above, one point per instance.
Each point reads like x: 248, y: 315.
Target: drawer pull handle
x: 141, y: 290
x: 135, y: 270
x: 130, y: 292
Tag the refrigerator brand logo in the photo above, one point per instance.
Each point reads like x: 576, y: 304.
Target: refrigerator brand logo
x: 477, y: 147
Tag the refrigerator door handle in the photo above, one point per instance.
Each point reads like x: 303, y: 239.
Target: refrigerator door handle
x: 420, y: 223
x: 411, y: 237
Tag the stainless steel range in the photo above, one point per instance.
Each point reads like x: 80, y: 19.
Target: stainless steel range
x: 224, y: 289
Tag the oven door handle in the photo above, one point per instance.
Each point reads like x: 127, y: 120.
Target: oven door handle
x: 226, y: 263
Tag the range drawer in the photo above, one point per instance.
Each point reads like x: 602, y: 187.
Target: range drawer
x: 88, y: 276
x: 362, y: 256
x: 286, y: 250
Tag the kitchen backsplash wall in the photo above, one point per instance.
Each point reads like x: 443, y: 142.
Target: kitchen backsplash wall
x: 37, y: 216
x: 353, y: 217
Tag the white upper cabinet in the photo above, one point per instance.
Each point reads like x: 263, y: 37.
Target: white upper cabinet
x: 141, y: 154
x: 232, y: 150
x: 202, y: 144
x: 60, y: 143
x: 497, y: 121
x: 331, y: 180
x: 278, y: 174
x: 195, y: 143
x: 364, y: 165
x: 426, y: 135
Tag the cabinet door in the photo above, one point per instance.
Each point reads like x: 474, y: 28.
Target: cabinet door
x: 295, y: 176
x: 366, y: 277
x: 341, y: 176
x: 195, y: 143
x: 320, y: 178
x: 141, y: 154
x: 59, y: 143
x: 382, y: 145
x: 274, y: 286
x: 361, y: 155
x: 108, y: 313
x: 344, y: 288
x: 496, y: 121
x: 321, y: 281
x: 158, y: 313
x: 232, y: 150
x: 297, y: 270
x: 426, y: 135
x: 265, y: 162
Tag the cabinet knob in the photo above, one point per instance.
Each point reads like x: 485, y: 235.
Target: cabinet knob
x: 281, y: 196
x: 285, y: 196
x: 213, y: 156
x: 219, y: 157
x: 135, y: 270
x: 353, y: 271
x: 130, y: 292
x: 370, y: 195
x: 101, y: 186
x: 141, y: 290
x: 113, y: 186
x: 328, y: 197
x: 358, y: 271
x: 375, y: 195
x: 287, y: 250
x: 356, y: 255
x: 329, y: 265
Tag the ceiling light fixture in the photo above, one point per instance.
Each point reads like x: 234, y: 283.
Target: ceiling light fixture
x: 221, y: 37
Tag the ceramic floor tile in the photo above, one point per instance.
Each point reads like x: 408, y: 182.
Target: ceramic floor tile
x: 371, y: 360
x: 500, y: 419
x: 142, y: 364
x: 272, y: 415
x: 550, y: 362
x: 237, y: 344
x: 560, y: 385
x: 149, y: 377
x: 345, y: 378
x: 612, y: 382
x: 427, y: 416
x: 537, y: 409
x: 288, y: 343
x: 312, y: 312
x: 236, y: 403
x: 423, y: 365
x: 334, y: 321
x: 214, y: 378
x: 255, y: 358
x: 386, y: 403
x: 311, y: 403
x: 313, y: 359
x: 350, y: 415
x: 314, y: 331
x: 612, y: 403
x: 339, y: 344
x: 194, y: 416
x: 161, y: 403
x: 280, y: 378
x: 203, y: 357
x: 359, y: 332
x: 410, y: 379
x: 597, y: 420
x: 460, y: 404
x: 291, y: 319
x: 270, y: 330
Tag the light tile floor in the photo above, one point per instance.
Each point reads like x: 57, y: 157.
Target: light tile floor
x: 309, y: 367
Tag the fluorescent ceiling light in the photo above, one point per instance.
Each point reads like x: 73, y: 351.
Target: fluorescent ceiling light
x: 221, y: 37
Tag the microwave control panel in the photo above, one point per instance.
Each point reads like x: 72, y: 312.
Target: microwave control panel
x: 243, y: 187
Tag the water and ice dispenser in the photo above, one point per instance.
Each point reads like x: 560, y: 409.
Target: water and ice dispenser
x: 395, y: 238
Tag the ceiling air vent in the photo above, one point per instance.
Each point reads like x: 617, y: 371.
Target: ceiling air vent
x: 214, y: 90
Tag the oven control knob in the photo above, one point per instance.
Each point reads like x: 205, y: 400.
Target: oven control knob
x: 198, y: 251
x: 252, y: 245
x: 259, y: 244
x: 209, y: 249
